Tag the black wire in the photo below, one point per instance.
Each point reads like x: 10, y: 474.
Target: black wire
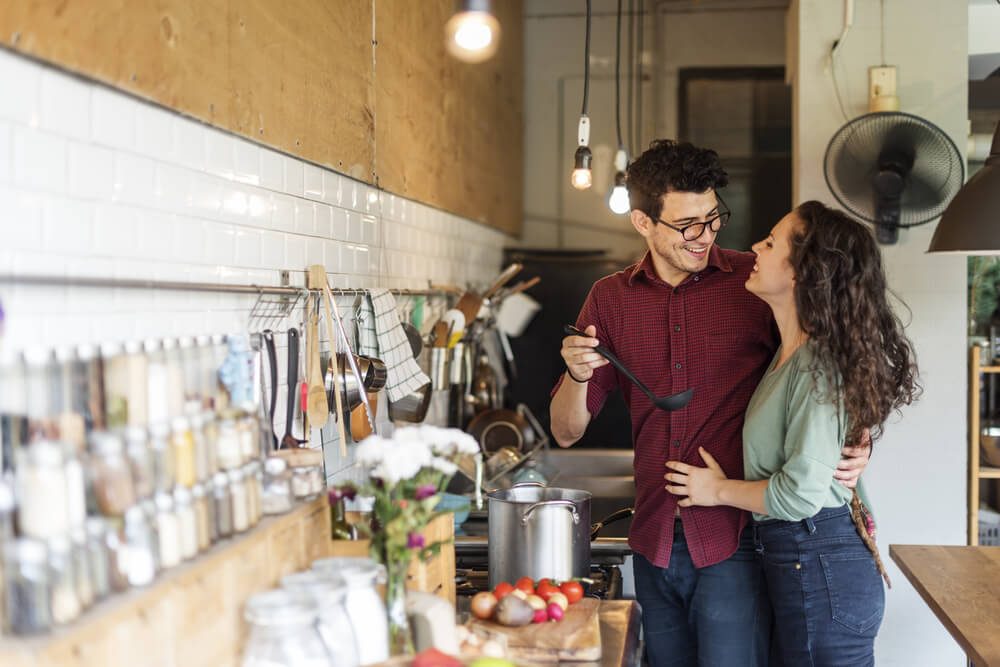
x: 638, y: 75
x: 629, y: 78
x: 882, y: 28
x: 586, y: 65
x: 618, y: 69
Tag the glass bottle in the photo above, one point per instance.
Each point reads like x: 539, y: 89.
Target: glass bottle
x: 111, y: 474
x: 241, y: 508
x: 140, y: 458
x: 189, y: 356
x: 340, y: 529
x: 118, y: 555
x: 81, y: 567
x: 187, y: 523
x: 139, y: 538
x: 149, y: 512
x: 329, y: 593
x: 210, y: 431
x: 65, y: 603
x: 223, y: 505
x: 276, y: 494
x: 252, y: 484
x: 163, y: 457
x: 174, y: 377
x: 42, y: 391
x: 72, y: 427
x: 202, y: 465
x: 27, y: 588
x: 283, y: 631
x: 97, y: 556
x: 169, y: 530
x: 116, y: 396
x: 182, y: 445
x: 363, y: 603
x: 40, y: 486
x: 201, y: 516
x: 157, y: 401
x: 137, y: 381
x: 227, y: 450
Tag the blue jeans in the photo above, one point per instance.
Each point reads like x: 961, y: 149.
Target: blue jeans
x: 824, y: 587
x: 716, y: 615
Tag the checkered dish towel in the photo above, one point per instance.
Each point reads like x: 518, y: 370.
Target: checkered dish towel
x: 389, y: 343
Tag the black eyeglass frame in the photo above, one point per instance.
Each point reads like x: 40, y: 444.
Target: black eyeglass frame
x: 715, y: 224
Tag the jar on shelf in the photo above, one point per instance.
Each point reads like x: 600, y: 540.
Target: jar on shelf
x: 141, y: 557
x: 118, y: 555
x: 81, y: 567
x: 157, y: 401
x: 97, y: 556
x: 187, y: 523
x: 202, y: 517
x: 248, y: 427
x: 283, y: 631
x: 363, y: 603
x: 111, y: 474
x: 43, y: 391
x: 252, y: 476
x: 40, y: 486
x: 72, y: 427
x: 7, y: 506
x: 169, y: 530
x: 65, y: 603
x: 165, y: 476
x: 228, y: 452
x: 307, y: 482
x: 189, y: 355
x: 276, y: 494
x: 174, y: 377
x: 27, y: 587
x: 202, y: 464
x: 240, y: 500
x: 137, y: 370
x: 329, y: 593
x: 182, y: 445
x: 210, y: 430
x: 140, y: 458
x: 76, y: 487
x: 222, y: 503
x: 116, y: 395
x: 149, y: 512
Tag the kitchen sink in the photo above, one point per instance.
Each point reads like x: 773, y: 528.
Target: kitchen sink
x: 605, y: 473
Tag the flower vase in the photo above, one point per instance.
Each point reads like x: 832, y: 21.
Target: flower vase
x: 400, y: 638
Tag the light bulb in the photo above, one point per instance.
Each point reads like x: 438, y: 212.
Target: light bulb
x: 582, y: 178
x: 473, y: 34
x: 618, y: 201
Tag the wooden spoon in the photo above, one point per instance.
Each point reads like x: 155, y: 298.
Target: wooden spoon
x: 316, y: 403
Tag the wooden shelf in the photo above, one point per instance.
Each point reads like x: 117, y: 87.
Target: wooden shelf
x: 989, y: 369
x: 989, y: 473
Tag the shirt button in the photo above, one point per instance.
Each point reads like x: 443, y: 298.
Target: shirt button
x: 697, y: 278
x: 677, y: 443
x: 677, y: 327
x: 677, y: 366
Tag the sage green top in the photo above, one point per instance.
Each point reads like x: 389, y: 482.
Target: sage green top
x: 793, y: 435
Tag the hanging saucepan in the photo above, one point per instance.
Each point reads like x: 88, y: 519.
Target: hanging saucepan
x: 373, y: 375
x: 498, y: 429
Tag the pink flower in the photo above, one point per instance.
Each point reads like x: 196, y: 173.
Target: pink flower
x: 425, y: 491
x: 414, y: 541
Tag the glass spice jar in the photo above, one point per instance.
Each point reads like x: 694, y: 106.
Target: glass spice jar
x: 140, y: 458
x: 276, y: 493
x: 76, y: 487
x: 201, y: 516
x: 40, y: 486
x: 81, y: 567
x: 117, y: 550
x: 210, y: 429
x: 249, y: 430
x: 97, y: 556
x: 163, y: 457
x: 201, y: 454
x: 137, y: 381
x: 174, y: 377
x: 223, y: 505
x: 283, y: 631
x: 111, y: 474
x: 187, y: 523
x: 65, y: 603
x: 182, y: 445
x: 227, y: 450
x: 169, y: 530
x: 27, y: 587
x: 139, y: 538
x: 307, y: 482
x: 148, y: 506
x: 116, y: 394
x: 157, y: 402
x: 240, y: 500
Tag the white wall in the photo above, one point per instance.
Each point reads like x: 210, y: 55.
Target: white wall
x: 917, y: 478
x: 96, y: 183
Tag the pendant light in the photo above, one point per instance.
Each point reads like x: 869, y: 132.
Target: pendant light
x: 971, y: 223
x: 472, y: 32
x: 618, y: 199
x: 582, y: 177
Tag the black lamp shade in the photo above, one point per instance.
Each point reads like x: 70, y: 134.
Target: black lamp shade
x: 971, y: 223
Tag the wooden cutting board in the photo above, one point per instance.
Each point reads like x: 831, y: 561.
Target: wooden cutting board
x: 576, y: 638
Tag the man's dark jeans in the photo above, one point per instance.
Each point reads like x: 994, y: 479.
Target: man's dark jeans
x: 716, y: 616
x: 826, y: 592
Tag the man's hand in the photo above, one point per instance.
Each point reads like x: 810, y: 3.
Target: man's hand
x: 700, y: 485
x: 853, y: 460
x: 578, y: 353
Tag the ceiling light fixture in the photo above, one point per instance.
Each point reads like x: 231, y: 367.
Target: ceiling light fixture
x: 473, y: 32
x: 971, y: 223
x: 582, y: 177
x: 618, y: 199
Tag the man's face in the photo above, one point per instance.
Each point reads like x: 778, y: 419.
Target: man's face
x: 675, y: 257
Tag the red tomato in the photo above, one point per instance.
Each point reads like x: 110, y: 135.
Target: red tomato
x: 542, y: 582
x: 502, y: 589
x: 526, y: 584
x: 545, y: 589
x: 573, y: 591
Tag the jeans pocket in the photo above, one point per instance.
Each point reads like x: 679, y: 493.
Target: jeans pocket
x: 857, y: 598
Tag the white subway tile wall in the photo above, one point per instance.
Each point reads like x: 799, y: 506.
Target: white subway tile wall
x: 96, y: 183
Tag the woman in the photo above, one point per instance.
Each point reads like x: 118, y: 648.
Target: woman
x: 843, y: 365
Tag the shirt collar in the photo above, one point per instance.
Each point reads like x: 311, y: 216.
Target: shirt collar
x: 716, y: 260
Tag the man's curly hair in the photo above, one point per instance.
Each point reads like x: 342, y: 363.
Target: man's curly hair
x: 671, y: 166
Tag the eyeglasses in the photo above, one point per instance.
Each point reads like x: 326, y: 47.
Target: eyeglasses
x: 694, y: 230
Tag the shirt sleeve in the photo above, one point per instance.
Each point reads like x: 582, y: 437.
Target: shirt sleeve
x: 605, y: 379
x: 812, y: 449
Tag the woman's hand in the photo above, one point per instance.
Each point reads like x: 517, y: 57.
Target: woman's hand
x: 700, y: 485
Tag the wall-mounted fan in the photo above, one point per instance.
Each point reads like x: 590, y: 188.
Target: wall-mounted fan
x: 894, y: 170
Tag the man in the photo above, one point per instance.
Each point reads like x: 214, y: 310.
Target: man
x: 681, y: 318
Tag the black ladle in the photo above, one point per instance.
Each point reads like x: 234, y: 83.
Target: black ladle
x: 668, y: 403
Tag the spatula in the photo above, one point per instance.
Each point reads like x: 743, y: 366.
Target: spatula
x: 289, y: 440
x: 668, y: 403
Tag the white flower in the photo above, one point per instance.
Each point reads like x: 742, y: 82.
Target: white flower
x: 412, y: 448
x: 444, y: 466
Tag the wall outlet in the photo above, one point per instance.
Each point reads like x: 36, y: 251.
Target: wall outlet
x: 882, y: 88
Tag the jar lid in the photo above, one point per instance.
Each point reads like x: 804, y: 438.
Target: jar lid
x: 134, y: 516
x: 180, y: 424
x: 235, y: 476
x: 185, y: 341
x: 44, y: 453
x: 182, y: 496
x: 164, y: 502
x: 86, y: 351
x: 198, y: 491
x: 111, y: 349
x: 218, y: 339
x: 219, y: 480
x: 105, y: 444
x: 324, y: 588
x: 27, y: 550
x: 280, y: 608
x: 275, y: 466
x: 354, y: 571
x: 96, y: 526
x: 159, y: 430
x: 169, y: 343
x: 151, y: 345
x: 136, y: 435
x: 37, y: 356
x: 202, y: 340
x: 133, y: 347
x: 65, y: 354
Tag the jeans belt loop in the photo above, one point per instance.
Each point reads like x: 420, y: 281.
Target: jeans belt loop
x: 810, y: 525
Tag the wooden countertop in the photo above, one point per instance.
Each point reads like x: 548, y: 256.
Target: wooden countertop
x: 961, y: 585
x: 620, y: 620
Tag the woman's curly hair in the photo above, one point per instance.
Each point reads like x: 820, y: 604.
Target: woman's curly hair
x: 670, y: 166
x: 841, y: 294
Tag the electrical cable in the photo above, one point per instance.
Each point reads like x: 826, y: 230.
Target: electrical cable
x: 630, y: 91
x: 638, y: 75
x: 586, y: 64
x: 618, y: 70
x: 882, y: 28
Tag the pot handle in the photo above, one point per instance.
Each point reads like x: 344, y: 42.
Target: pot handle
x: 568, y: 504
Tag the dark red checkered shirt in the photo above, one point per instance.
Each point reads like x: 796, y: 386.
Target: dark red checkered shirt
x: 710, y: 334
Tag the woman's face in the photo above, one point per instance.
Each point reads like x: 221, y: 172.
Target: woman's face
x: 772, y: 278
